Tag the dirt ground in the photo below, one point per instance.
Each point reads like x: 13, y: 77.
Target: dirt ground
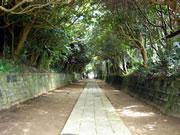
x: 140, y: 118
x: 45, y: 115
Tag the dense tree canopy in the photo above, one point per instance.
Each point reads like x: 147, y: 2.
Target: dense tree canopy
x: 117, y: 36
x: 140, y: 35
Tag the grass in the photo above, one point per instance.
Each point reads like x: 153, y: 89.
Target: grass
x: 7, y: 66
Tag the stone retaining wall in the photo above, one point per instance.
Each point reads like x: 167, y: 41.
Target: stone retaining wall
x: 15, y: 88
x: 164, y: 93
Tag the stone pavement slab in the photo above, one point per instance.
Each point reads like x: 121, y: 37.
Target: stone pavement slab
x: 93, y: 114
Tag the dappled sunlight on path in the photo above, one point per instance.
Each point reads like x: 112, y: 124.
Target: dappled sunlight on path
x: 126, y: 111
x: 141, y: 118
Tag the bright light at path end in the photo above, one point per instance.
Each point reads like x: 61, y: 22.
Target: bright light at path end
x: 91, y: 75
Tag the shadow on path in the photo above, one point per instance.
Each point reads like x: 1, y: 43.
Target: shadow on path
x: 44, y: 115
x: 141, y: 119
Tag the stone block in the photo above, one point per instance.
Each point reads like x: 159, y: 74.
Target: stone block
x: 20, y: 87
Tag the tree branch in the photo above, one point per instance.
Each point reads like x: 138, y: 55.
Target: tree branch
x: 143, y: 14
x: 15, y: 7
x: 173, y: 34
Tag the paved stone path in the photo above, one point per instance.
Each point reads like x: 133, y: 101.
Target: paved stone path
x: 93, y: 114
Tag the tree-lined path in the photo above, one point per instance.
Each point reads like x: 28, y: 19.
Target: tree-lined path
x: 73, y: 111
x: 131, y: 44
x: 94, y: 115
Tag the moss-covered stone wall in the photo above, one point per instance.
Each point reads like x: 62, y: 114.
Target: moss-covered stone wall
x: 164, y: 93
x: 15, y: 88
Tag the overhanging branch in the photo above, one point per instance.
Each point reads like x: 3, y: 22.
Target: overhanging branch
x: 173, y: 34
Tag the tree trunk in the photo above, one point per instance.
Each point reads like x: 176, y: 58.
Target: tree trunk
x: 144, y: 56
x: 143, y: 51
x: 124, y: 64
x: 11, y: 30
x: 107, y: 68
x: 34, y: 58
x: 23, y: 38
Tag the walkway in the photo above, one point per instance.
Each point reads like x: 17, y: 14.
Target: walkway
x: 139, y: 117
x: 44, y: 115
x: 94, y: 115
x: 47, y: 114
